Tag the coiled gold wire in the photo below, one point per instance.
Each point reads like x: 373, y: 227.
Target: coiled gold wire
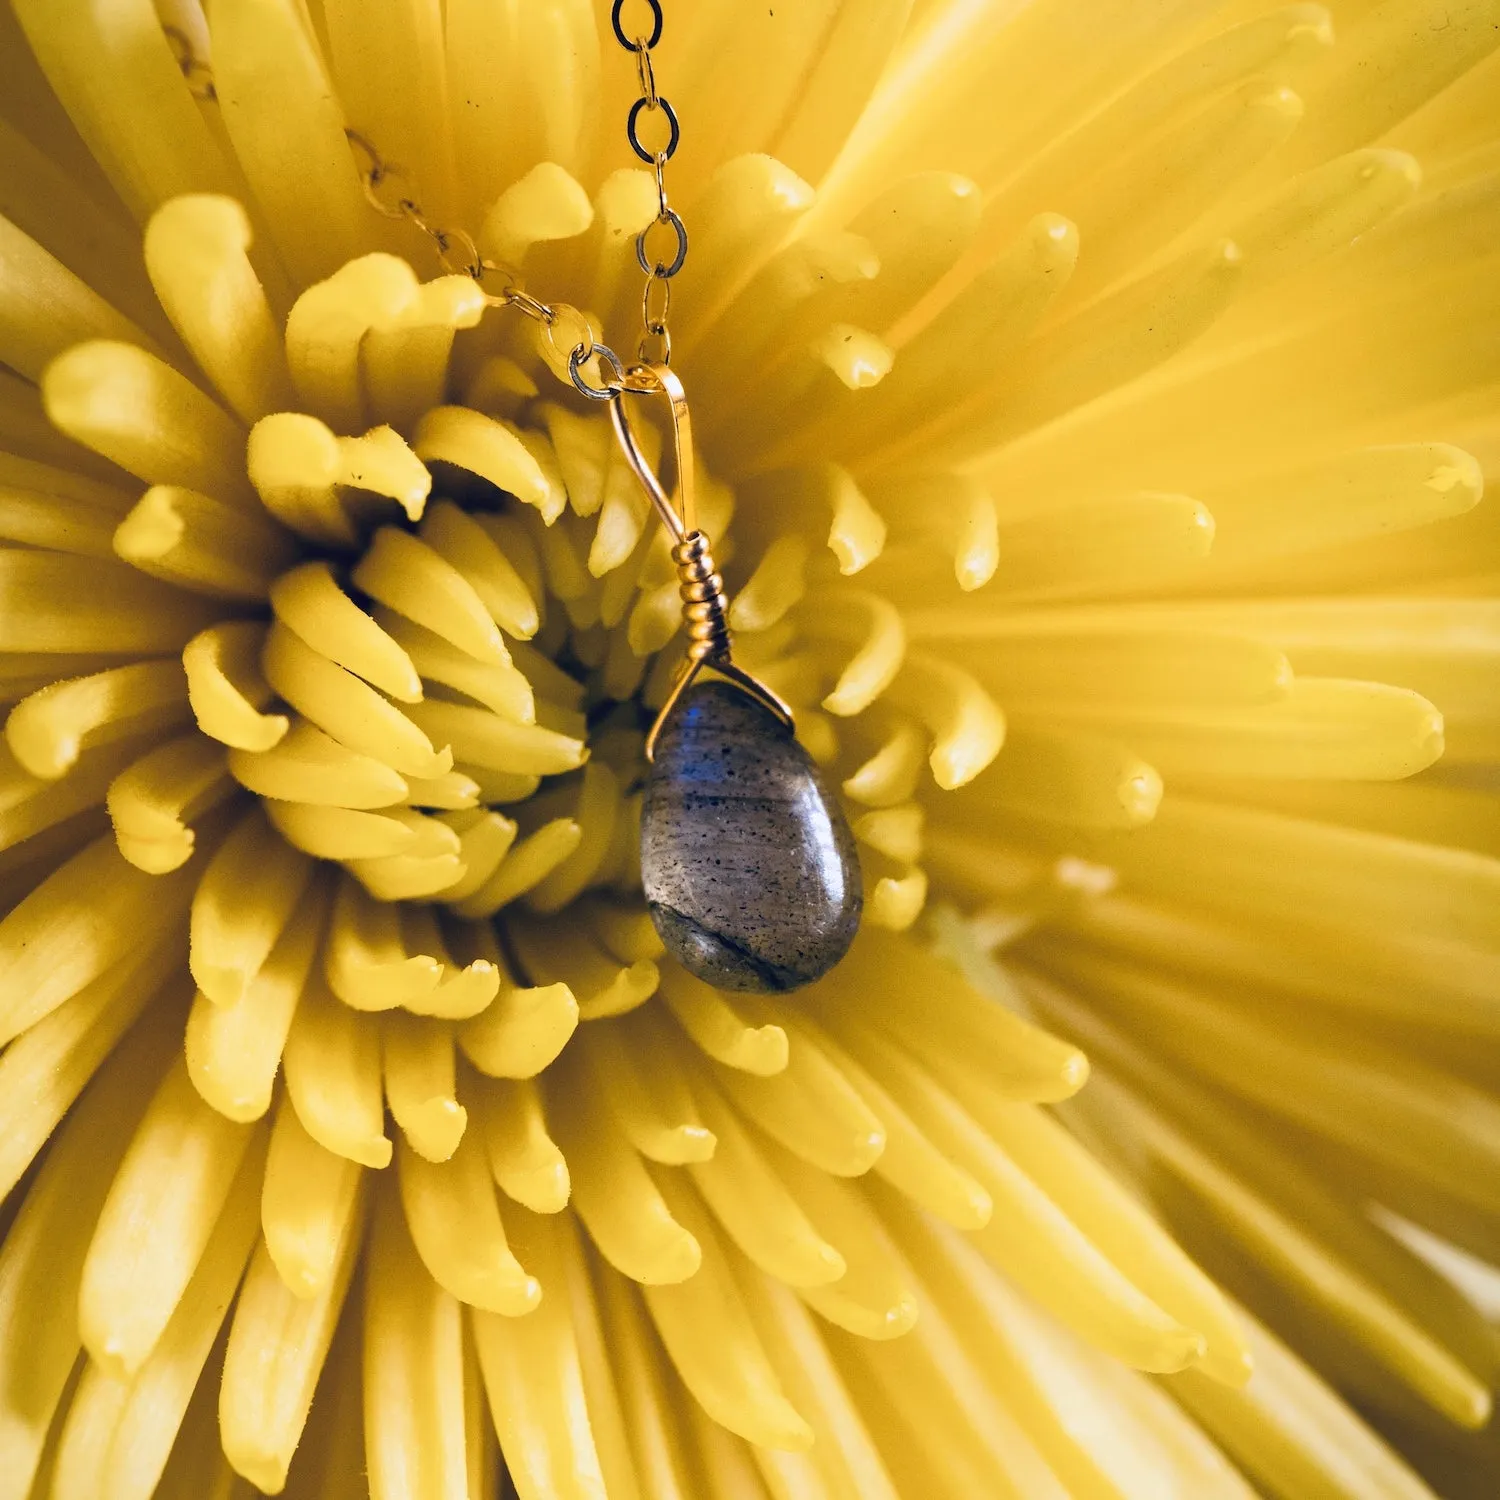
x: 705, y: 606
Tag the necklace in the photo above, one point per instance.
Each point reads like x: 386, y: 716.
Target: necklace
x: 749, y: 867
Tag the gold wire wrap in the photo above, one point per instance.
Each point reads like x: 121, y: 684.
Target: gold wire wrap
x: 705, y: 605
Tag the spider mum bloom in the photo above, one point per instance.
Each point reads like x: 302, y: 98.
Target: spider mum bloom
x: 1096, y: 399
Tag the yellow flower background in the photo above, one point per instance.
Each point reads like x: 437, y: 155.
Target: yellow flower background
x: 1096, y: 397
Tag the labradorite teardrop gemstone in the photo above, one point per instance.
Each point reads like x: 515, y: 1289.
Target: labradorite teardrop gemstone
x: 750, y: 870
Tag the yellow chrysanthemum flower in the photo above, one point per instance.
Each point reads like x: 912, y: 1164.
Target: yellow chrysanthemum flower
x: 1096, y: 395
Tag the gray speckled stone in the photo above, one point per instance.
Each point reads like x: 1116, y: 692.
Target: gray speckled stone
x: 750, y: 870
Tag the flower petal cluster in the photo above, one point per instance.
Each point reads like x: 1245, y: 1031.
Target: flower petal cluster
x: 1096, y: 400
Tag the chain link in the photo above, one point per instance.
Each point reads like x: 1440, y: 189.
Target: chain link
x: 655, y: 346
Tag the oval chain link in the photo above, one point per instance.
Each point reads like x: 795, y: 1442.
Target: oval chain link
x: 655, y: 345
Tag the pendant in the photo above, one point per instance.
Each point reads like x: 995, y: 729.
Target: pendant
x: 750, y: 870
x: 749, y: 867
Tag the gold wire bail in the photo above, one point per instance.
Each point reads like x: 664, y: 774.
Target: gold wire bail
x: 705, y: 605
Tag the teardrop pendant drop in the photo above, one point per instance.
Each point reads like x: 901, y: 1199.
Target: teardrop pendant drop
x: 750, y: 870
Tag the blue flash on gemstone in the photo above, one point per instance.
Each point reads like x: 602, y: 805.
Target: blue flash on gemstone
x: 750, y: 870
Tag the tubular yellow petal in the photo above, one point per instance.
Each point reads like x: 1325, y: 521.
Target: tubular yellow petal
x: 1061, y: 1268
x: 987, y: 322
x: 308, y: 767
x: 911, y: 1163
x: 53, y: 603
x: 451, y: 792
x: 340, y: 832
x: 309, y: 1206
x: 455, y: 1224
x: 366, y: 959
x: 743, y: 213
x: 156, y: 1400
x: 1079, y: 779
x: 810, y: 1107
x: 1323, y: 210
x: 46, y: 1068
x: 277, y: 1345
x: 47, y: 729
x: 552, y: 952
x: 890, y: 775
x: 1343, y: 497
x: 967, y: 727
x: 499, y: 687
x: 79, y: 924
x: 856, y: 532
x: 650, y: 1414
x: 421, y: 1085
x: 226, y: 689
x: 1111, y: 342
x: 617, y: 1198
x: 546, y: 204
x: 606, y: 1419
x: 46, y: 308
x: 1324, y: 727
x: 151, y: 802
x: 521, y: 1031
x: 753, y: 1206
x: 484, y: 843
x: 124, y: 91
x: 284, y: 123
x: 1117, y: 1224
x: 1147, y: 194
x: 714, y: 1025
x: 712, y: 1342
x: 534, y: 1382
x: 390, y: 79
x: 843, y: 1456
x: 480, y: 738
x: 234, y: 1048
x: 884, y: 994
x: 332, y: 1064
x: 468, y: 545
x: 196, y: 256
x: 528, y: 863
x: 625, y: 931
x: 410, y: 577
x: 777, y: 583
x: 311, y: 605
x: 405, y: 365
x: 636, y: 1065
x: 129, y: 406
x: 248, y: 891
x: 1103, y: 545
x: 32, y: 805
x: 598, y: 810
x: 1109, y: 655
x: 41, y: 1261
x: 379, y: 461
x: 875, y: 625
x: 413, y: 1371
x: 30, y: 511
x: 524, y: 1158
x: 1291, y: 1431
x: 469, y: 440
x: 344, y: 708
x: 157, y: 1222
x: 466, y: 988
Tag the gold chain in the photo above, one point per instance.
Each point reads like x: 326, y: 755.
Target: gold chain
x: 389, y: 191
